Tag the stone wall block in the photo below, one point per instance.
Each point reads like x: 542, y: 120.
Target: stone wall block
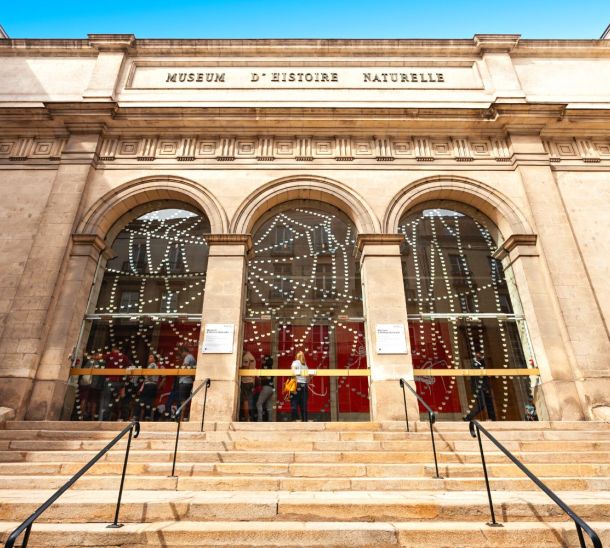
x: 41, y: 274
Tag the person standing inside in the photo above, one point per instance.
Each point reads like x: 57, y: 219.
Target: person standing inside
x: 149, y: 390
x: 481, y: 390
x: 185, y: 383
x: 97, y: 384
x: 298, y: 400
x: 114, y: 388
x: 90, y: 388
x: 265, y: 396
x: 246, y: 385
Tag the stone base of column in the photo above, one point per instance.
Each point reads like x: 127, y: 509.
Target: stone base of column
x: 221, y: 402
x: 597, y: 390
x: 47, y: 401
x: 387, y: 403
x: 15, y: 394
x: 559, y: 401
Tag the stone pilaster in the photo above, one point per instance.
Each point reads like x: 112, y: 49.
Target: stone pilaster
x: 223, y: 302
x: 385, y: 303
x: 574, y: 303
x: 111, y: 52
x: 88, y: 255
x: 495, y: 50
x: 31, y: 312
x: 521, y: 258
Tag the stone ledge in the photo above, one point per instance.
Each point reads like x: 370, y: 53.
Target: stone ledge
x: 6, y: 414
x: 377, y: 239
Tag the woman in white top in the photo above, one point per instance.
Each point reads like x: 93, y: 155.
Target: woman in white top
x: 299, y: 398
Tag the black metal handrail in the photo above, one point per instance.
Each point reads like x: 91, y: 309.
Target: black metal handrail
x: 134, y: 430
x: 177, y: 416
x: 431, y: 417
x: 475, y: 431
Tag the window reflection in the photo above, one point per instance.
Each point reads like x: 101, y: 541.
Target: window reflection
x: 461, y: 317
x: 147, y: 318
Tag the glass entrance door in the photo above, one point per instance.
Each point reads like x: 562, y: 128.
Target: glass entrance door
x: 338, y: 387
x: 304, y: 295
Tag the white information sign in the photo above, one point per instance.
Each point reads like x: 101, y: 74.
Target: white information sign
x: 218, y: 338
x: 391, y: 338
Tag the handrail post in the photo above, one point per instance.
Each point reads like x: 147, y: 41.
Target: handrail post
x: 431, y: 419
x: 493, y: 523
x: 26, y: 538
x: 581, y: 539
x: 404, y: 399
x: 133, y: 429
x: 173, y: 475
x: 208, y: 382
x: 475, y: 431
x: 115, y: 524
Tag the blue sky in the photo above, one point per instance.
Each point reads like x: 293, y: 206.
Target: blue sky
x: 305, y: 19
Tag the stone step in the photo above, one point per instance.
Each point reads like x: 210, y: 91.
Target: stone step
x: 387, y: 446
x: 530, y: 441
x: 149, y: 506
x: 250, y: 472
x: 305, y: 469
x: 185, y: 482
x: 545, y: 439
x: 282, y: 459
x: 283, y: 427
x: 307, y: 534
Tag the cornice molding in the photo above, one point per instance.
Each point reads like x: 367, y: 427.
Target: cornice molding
x: 230, y: 239
x: 303, y: 148
x: 516, y: 241
x: 90, y: 245
x: 497, y: 118
x: 583, y: 150
x: 318, y: 48
x: 496, y: 43
x: 111, y: 42
x: 20, y: 149
x: 377, y: 239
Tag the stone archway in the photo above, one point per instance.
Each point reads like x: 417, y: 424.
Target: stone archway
x: 108, y: 210
x: 88, y: 253
x: 306, y: 187
x: 496, y: 206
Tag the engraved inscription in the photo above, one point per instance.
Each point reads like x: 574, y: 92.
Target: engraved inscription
x: 306, y: 78
x: 195, y: 77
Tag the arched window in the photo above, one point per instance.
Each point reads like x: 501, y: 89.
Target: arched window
x: 148, y: 310
x: 304, y: 293
x: 464, y: 314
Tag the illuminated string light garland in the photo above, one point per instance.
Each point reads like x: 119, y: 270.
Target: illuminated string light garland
x: 431, y: 235
x: 177, y: 236
x: 317, y: 237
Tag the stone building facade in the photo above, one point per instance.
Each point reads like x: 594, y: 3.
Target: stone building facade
x: 379, y: 134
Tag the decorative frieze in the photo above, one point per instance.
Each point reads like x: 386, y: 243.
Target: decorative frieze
x: 579, y: 149
x: 19, y: 149
x: 305, y: 149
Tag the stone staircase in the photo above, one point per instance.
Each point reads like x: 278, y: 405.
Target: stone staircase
x: 295, y: 484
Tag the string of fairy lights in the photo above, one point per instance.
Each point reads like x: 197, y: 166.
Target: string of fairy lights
x: 155, y: 265
x: 302, y: 288
x: 432, y: 236
x: 285, y: 283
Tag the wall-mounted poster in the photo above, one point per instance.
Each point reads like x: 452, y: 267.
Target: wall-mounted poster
x: 218, y: 338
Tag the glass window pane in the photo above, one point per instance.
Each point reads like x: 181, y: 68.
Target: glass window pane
x: 461, y: 318
x: 147, y: 316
